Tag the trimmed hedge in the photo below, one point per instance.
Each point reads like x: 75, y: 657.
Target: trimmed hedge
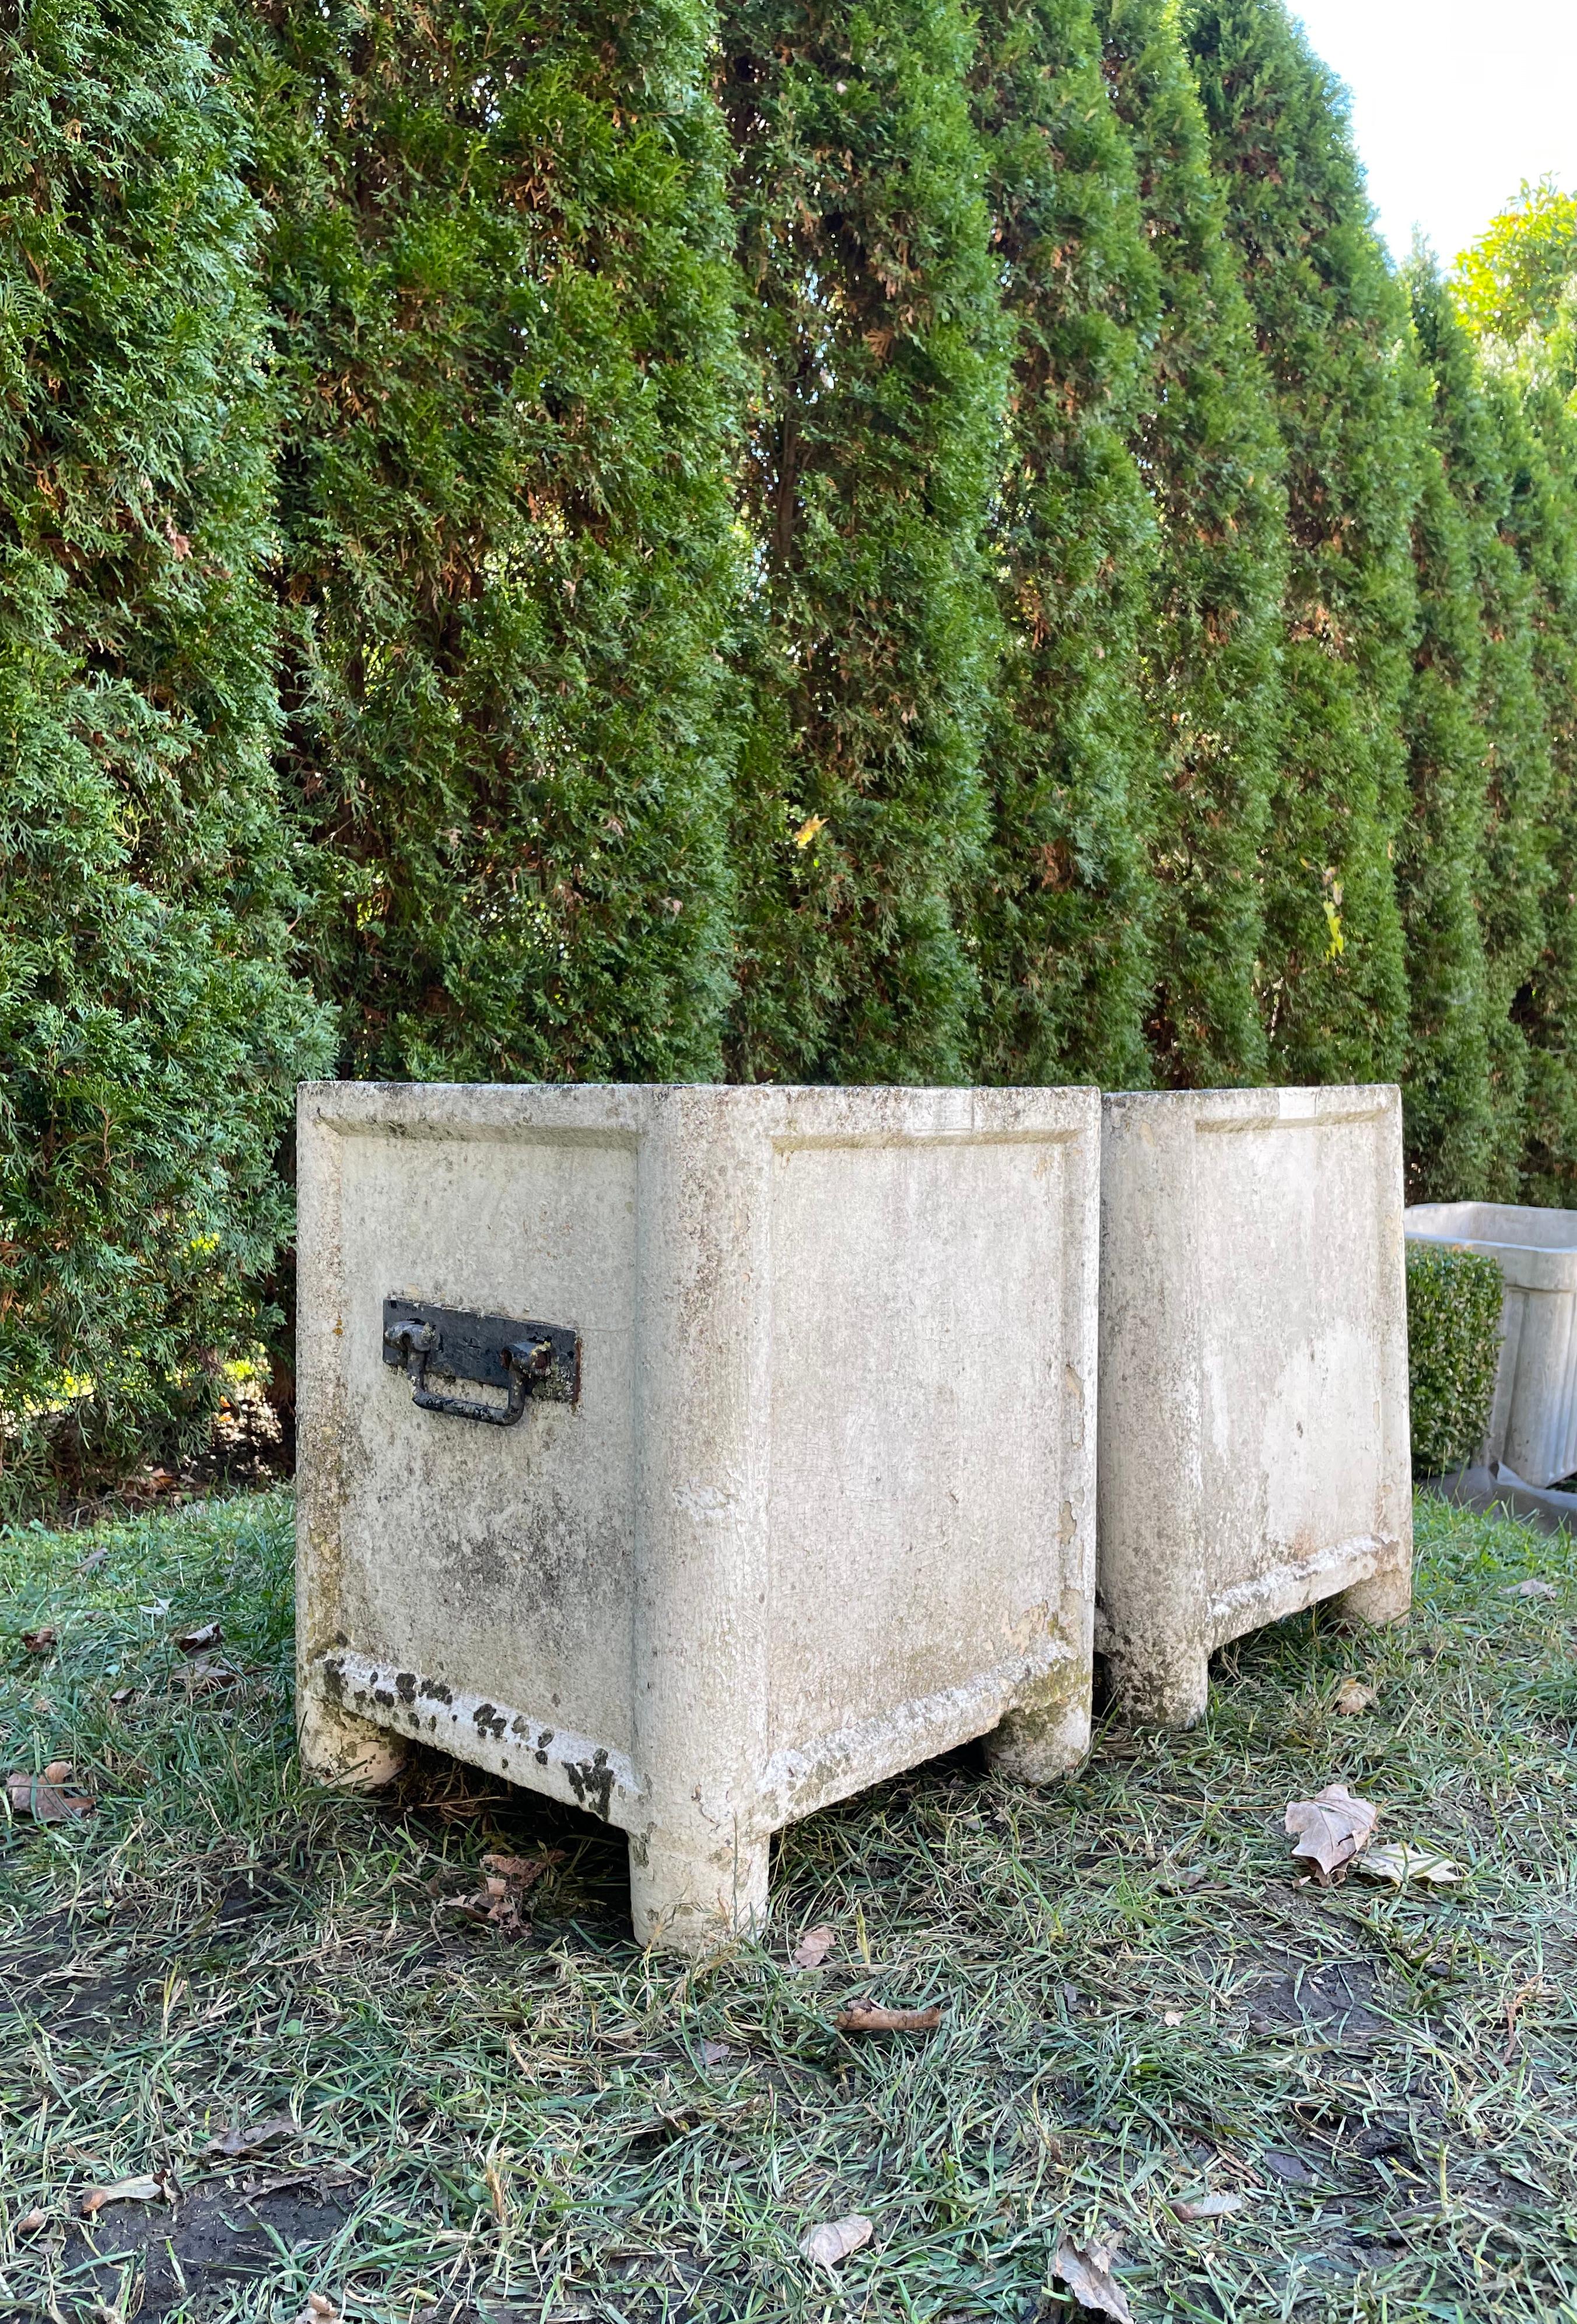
x: 1332, y: 326
x: 1454, y: 1351
x: 873, y: 325
x: 148, y: 1035
x: 506, y: 361
x: 1064, y: 908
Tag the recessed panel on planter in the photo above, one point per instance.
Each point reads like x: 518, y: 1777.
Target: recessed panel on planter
x: 1254, y: 1450
x: 696, y: 1455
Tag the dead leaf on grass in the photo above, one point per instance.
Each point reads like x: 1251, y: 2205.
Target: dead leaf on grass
x: 1087, y: 2272
x: 259, y: 2133
x: 1398, y: 1862
x: 1330, y: 1831
x: 833, y: 2241
x: 868, y: 2017
x: 1534, y: 1587
x: 198, y: 1641
x: 502, y: 1899
x: 40, y: 1641
x: 154, y: 2188
x: 814, y: 1945
x: 53, y: 1797
x: 1210, y: 2206
x: 1351, y: 1697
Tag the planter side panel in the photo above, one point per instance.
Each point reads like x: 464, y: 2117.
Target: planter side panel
x: 1254, y: 1404
x: 930, y: 1519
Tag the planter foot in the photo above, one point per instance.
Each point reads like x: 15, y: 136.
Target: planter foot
x: 691, y: 1893
x: 1384, y: 1598
x: 1046, y: 1739
x: 1169, y: 1690
x: 346, y: 1755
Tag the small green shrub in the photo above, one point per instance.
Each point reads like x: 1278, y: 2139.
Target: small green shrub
x: 1454, y: 1348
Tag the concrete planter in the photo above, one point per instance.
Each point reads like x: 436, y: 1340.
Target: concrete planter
x: 1533, y: 1423
x: 800, y: 1489
x: 1253, y: 1431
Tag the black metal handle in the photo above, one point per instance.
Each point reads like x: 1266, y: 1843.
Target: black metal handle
x: 527, y: 1359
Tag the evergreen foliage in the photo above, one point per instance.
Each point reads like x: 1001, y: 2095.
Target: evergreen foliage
x: 1211, y: 453
x: 149, y: 1040
x: 1066, y: 905
x: 1450, y: 1111
x: 499, y: 277
x: 874, y: 341
x: 1483, y: 457
x: 1542, y: 440
x: 1454, y: 1299
x: 1332, y: 325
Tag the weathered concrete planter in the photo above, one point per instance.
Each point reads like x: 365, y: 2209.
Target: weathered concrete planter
x: 822, y: 1505
x: 1533, y: 1422
x: 1253, y: 1431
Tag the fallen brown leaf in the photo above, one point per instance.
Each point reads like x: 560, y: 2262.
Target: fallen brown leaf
x: 814, y: 1945
x: 49, y: 1798
x: 258, y: 2134
x: 40, y: 1641
x: 502, y: 1898
x: 867, y: 2017
x: 152, y: 2189
x: 525, y: 1871
x: 1210, y: 2206
x: 198, y: 1640
x: 1329, y: 1830
x: 833, y: 2241
x: 1087, y: 2272
x: 1351, y: 1697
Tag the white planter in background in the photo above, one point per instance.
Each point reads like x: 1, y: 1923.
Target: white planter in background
x: 822, y: 1505
x: 1253, y: 1427
x: 1533, y: 1424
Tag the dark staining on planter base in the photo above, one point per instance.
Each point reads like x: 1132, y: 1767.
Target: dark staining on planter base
x: 592, y: 1786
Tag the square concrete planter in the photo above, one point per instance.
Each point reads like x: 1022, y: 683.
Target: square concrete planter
x: 1533, y: 1423
x: 800, y: 1487
x: 1253, y: 1430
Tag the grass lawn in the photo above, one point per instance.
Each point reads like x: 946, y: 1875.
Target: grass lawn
x: 1140, y: 2004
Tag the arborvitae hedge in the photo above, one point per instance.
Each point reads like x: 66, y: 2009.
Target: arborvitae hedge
x: 1330, y: 317
x: 1480, y: 437
x: 500, y: 276
x: 149, y: 1039
x: 873, y: 327
x: 1066, y: 907
x: 1540, y: 436
x: 1211, y: 453
x: 1450, y: 1115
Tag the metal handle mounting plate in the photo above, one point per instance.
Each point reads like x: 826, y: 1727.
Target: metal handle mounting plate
x: 527, y: 1359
